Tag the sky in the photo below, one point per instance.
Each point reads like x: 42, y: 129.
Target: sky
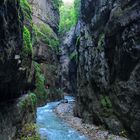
x: 68, y: 1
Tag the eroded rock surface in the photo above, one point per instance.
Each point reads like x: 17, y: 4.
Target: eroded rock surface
x: 109, y: 65
x: 13, y: 76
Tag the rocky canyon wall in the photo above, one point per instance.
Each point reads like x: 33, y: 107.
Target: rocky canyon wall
x: 13, y: 76
x: 28, y: 59
x: 46, y: 51
x: 109, y: 65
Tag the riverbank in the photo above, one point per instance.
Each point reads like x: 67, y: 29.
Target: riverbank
x: 65, y: 112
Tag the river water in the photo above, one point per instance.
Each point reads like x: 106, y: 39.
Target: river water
x: 51, y: 127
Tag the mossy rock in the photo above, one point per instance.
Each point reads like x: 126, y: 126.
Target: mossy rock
x: 28, y: 101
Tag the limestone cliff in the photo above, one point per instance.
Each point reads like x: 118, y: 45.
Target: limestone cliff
x: 46, y: 51
x: 109, y: 65
x: 13, y: 78
x: 24, y: 39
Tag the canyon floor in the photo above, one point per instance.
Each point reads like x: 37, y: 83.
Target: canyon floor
x: 65, y: 112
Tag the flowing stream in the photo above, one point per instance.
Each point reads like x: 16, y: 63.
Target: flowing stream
x: 51, y: 127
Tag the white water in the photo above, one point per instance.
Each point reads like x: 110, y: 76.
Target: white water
x: 51, y: 127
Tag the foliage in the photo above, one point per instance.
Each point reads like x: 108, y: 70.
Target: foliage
x: 77, y: 7
x: 68, y: 16
x: 28, y: 132
x: 105, y: 102
x: 28, y: 101
x: 73, y: 56
x: 40, y: 90
x: 26, y: 10
x: 57, y: 3
x: 45, y: 34
x: 27, y: 50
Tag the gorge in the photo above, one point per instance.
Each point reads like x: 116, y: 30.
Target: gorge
x: 89, y: 49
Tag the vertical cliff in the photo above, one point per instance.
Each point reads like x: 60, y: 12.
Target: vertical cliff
x: 109, y: 65
x: 46, y: 51
x: 28, y: 58
x: 15, y: 61
x: 12, y: 73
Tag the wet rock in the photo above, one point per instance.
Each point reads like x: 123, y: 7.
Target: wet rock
x: 13, y: 81
x: 64, y: 101
x: 14, y: 115
x: 109, y: 65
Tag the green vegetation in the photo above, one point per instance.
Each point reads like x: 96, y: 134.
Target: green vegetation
x: 28, y: 101
x: 27, y: 40
x: 26, y: 8
x: 28, y: 132
x: 101, y: 42
x: 68, y: 16
x: 40, y: 90
x: 73, y: 56
x: 105, y: 102
x: 77, y: 7
x: 45, y: 34
x: 27, y: 49
x: 57, y: 3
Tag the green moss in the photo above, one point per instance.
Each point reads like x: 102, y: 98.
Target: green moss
x: 27, y: 49
x: 101, y: 42
x: 26, y: 8
x: 73, y: 56
x: 40, y: 90
x: 45, y: 34
x: 106, y: 102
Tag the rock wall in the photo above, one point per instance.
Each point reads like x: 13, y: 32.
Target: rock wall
x: 17, y: 73
x: 46, y: 51
x: 14, y: 115
x: 68, y: 60
x: 109, y: 65
x: 13, y: 78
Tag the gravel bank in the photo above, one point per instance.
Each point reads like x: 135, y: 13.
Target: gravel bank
x: 65, y: 111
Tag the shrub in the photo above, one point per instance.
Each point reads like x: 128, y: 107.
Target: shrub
x: 28, y: 132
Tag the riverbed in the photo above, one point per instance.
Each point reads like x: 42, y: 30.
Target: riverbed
x: 51, y: 127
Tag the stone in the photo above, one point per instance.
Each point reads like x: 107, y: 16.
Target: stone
x: 109, y: 54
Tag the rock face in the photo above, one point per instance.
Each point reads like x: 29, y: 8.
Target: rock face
x: 68, y: 65
x: 46, y: 11
x: 12, y: 76
x: 68, y: 60
x: 109, y: 65
x: 14, y: 115
x: 46, y: 51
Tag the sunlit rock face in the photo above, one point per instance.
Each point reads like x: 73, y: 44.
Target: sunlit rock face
x: 109, y: 65
x: 47, y: 11
x: 12, y: 76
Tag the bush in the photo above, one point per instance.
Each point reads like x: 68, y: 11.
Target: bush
x: 28, y: 132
